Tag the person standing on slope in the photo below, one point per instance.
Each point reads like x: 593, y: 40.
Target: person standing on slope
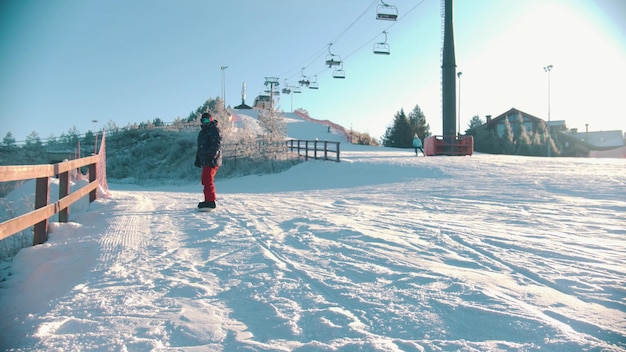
x: 417, y: 144
x: 209, y: 158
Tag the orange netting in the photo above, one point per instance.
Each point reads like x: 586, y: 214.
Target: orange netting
x: 101, y: 168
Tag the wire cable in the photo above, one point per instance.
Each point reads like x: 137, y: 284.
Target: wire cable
x: 316, y: 56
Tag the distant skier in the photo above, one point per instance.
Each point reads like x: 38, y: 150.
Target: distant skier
x: 417, y: 144
x: 209, y: 158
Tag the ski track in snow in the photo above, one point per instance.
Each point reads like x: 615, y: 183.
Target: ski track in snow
x: 526, y: 258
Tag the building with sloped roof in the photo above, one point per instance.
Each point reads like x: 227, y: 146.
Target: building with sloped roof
x: 594, y: 144
x: 570, y: 142
x: 517, y: 118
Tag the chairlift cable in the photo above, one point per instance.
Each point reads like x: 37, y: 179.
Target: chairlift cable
x: 352, y: 24
x: 386, y: 29
x: 321, y: 52
x: 315, y: 57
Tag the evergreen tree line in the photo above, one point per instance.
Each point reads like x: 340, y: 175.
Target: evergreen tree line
x: 527, y: 143
x: 400, y: 133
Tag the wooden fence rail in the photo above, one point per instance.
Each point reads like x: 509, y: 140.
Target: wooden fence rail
x: 304, y: 148
x: 43, y: 211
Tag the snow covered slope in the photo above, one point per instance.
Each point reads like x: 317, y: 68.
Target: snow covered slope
x: 381, y: 252
x: 297, y: 127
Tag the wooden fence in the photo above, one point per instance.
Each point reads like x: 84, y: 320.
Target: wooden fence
x: 43, y: 211
x: 315, y: 149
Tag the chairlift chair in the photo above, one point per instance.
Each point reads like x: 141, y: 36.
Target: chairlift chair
x: 304, y: 81
x: 313, y: 84
x: 339, y: 73
x: 386, y: 12
x: 297, y: 90
x: 332, y: 59
x: 382, y: 48
x: 287, y: 89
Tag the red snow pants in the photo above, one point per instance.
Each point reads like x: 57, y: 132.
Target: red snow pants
x: 208, y: 180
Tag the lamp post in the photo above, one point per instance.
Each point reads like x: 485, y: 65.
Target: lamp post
x: 458, y: 74
x: 548, y: 69
x: 95, y: 148
x: 223, y: 85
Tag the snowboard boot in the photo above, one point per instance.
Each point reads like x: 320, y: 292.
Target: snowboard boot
x: 205, y: 205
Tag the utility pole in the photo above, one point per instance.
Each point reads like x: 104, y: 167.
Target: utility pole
x: 223, y: 85
x: 458, y: 74
x: 548, y: 69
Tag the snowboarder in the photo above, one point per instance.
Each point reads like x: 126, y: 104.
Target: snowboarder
x: 209, y: 158
x: 417, y: 144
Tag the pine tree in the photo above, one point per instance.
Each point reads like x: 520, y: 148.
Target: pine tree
x: 523, y: 141
x: 400, y: 134
x: 33, y: 149
x: 507, y: 141
x: 417, y: 120
x: 8, y: 143
x: 474, y: 123
x: 484, y: 139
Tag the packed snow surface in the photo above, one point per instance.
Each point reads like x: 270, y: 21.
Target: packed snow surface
x: 383, y: 251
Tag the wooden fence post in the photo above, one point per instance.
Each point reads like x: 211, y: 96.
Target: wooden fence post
x: 325, y: 150
x: 64, y: 190
x: 42, y: 197
x: 92, y: 177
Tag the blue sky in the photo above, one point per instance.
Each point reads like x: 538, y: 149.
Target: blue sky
x: 65, y: 63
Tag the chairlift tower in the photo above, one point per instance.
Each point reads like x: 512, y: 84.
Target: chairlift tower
x: 448, y: 76
x: 272, y: 82
x: 450, y: 143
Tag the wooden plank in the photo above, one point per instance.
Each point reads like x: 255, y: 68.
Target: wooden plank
x: 76, y: 163
x: 12, y: 226
x: 25, y: 172
x: 76, y: 195
x: 43, y: 211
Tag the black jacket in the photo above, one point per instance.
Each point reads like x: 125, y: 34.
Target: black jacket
x: 209, y: 146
